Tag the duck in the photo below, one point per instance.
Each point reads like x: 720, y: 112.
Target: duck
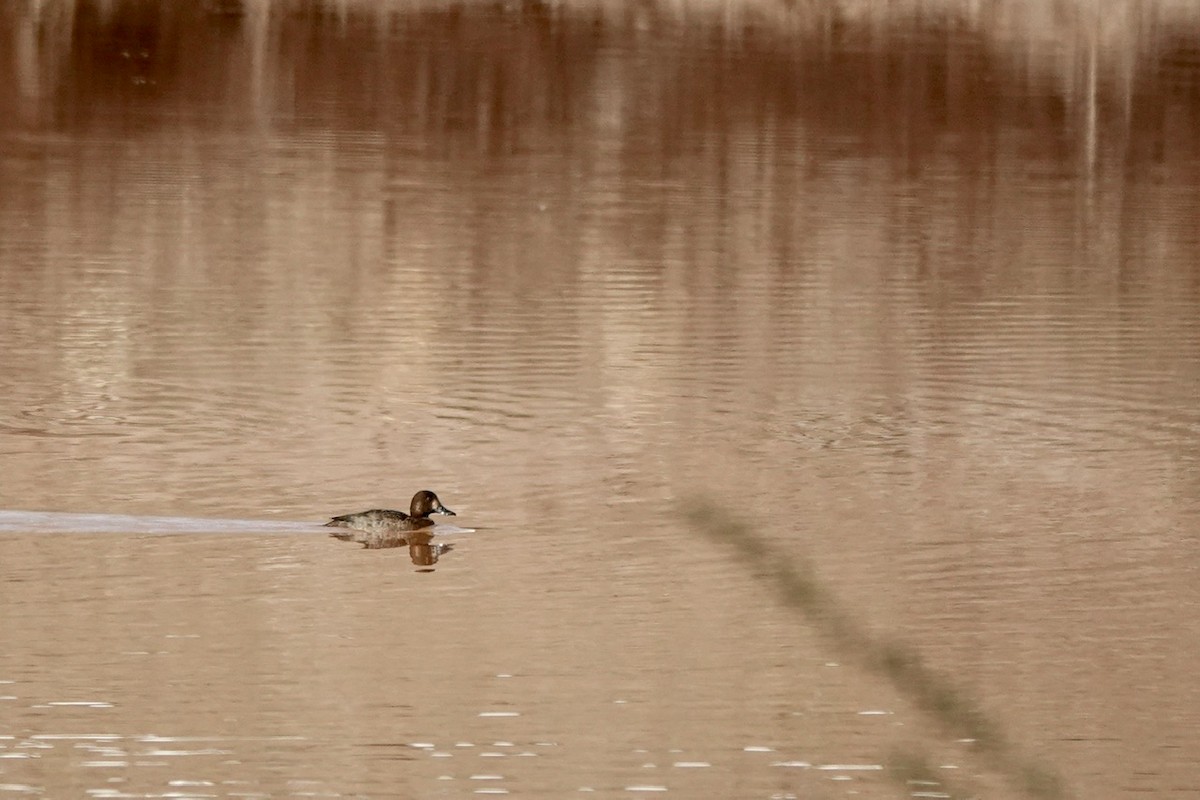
x: 384, y: 527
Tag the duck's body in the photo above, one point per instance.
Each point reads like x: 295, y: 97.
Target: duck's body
x: 383, y: 527
x: 377, y: 519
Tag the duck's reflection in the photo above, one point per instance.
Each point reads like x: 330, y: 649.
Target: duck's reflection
x: 423, y: 551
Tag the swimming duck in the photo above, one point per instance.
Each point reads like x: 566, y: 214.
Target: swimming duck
x: 383, y: 527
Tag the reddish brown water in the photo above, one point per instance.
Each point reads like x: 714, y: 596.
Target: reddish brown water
x: 916, y: 297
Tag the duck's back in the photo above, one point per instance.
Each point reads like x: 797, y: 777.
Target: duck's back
x: 376, y: 520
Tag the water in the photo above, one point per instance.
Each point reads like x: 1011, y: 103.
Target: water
x: 912, y: 298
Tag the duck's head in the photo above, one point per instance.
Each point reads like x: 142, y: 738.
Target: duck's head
x: 425, y: 503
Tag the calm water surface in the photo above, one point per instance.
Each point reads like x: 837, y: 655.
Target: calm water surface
x: 915, y: 298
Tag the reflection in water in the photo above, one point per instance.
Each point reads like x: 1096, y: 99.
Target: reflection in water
x: 913, y: 290
x: 421, y: 547
x: 388, y: 539
x: 49, y: 522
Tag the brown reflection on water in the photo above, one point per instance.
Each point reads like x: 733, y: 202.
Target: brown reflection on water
x: 914, y: 294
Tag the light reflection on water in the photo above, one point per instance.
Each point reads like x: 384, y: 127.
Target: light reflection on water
x: 55, y: 522
x: 919, y: 304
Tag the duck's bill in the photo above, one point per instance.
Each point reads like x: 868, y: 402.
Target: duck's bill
x: 444, y: 510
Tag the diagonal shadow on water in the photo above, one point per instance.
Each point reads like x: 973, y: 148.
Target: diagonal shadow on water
x: 801, y: 589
